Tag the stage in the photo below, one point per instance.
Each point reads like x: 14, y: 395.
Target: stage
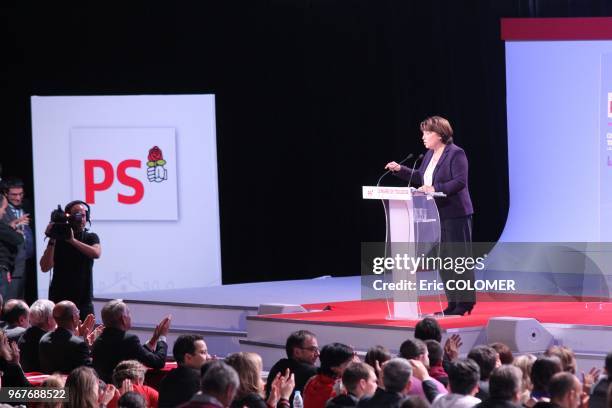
x: 227, y: 317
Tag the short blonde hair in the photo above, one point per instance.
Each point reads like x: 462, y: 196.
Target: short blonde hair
x: 129, y: 369
x: 566, y: 355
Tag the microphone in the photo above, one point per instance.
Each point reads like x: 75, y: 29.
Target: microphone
x: 413, y: 167
x: 410, y: 156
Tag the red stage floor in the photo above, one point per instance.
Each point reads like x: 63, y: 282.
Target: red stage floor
x: 545, y: 310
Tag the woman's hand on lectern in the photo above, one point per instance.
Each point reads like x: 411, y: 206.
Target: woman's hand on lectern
x: 427, y: 189
x: 393, y: 166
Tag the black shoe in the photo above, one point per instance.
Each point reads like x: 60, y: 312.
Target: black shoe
x: 449, y: 309
x: 462, y: 308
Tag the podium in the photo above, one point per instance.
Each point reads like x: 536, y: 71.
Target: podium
x: 413, y: 230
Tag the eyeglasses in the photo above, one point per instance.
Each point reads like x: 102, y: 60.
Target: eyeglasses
x: 313, y: 349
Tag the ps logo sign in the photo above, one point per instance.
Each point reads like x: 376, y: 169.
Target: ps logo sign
x: 126, y: 173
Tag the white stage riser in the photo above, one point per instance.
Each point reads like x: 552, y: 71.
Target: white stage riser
x: 586, y: 339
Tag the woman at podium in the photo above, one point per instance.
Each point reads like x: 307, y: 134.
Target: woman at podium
x: 445, y: 169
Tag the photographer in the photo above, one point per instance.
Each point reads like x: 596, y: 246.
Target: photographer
x: 10, y: 241
x: 70, y: 252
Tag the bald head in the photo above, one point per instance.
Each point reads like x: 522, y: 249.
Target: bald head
x: 17, y: 313
x: 66, y: 314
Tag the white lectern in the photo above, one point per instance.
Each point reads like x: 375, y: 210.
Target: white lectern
x: 413, y: 229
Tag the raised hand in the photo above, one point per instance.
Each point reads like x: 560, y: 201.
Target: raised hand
x: 107, y: 394
x: 452, y: 346
x: 126, y: 386
x: 160, y: 330
x: 84, y: 328
x: 419, y: 370
x: 589, y: 379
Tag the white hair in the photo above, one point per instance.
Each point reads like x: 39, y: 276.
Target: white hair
x: 40, y: 312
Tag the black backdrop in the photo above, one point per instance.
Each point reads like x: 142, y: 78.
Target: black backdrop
x: 313, y: 97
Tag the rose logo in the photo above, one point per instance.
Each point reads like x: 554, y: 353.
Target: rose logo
x: 156, y: 172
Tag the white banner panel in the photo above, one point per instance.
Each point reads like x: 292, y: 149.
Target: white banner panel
x: 147, y: 164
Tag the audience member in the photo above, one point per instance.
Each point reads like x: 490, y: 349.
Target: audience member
x: 565, y: 392
x: 599, y: 392
x: 376, y: 356
x: 85, y: 390
x: 565, y: 355
x: 62, y: 350
x: 179, y: 385
x: 524, y: 363
x: 219, y: 386
x: 302, y: 353
x: 428, y: 329
x: 542, y: 371
x: 396, y: 374
x: 413, y: 401
x: 129, y: 376
x: 115, y: 344
x: 505, y: 354
x: 359, y: 380
x: 17, y: 216
x: 17, y: 318
x: 251, y: 390
x: 41, y: 322
x: 53, y: 381
x: 417, y: 350
x: 504, y: 388
x: 132, y: 399
x: 436, y: 369
x: 12, y: 374
x: 463, y: 377
x: 487, y: 359
x: 10, y: 241
x: 334, y: 358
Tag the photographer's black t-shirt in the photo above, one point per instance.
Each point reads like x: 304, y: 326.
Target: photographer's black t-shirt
x: 72, y: 271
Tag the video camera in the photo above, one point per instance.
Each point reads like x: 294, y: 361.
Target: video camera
x: 62, y: 222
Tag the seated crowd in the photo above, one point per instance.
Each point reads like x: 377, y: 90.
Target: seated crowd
x: 105, y: 366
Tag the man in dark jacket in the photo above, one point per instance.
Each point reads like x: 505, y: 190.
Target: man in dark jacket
x: 396, y: 378
x: 302, y: 353
x: 487, y: 359
x: 17, y: 317
x: 219, y: 385
x: 504, y: 388
x: 41, y: 322
x: 62, y: 349
x: 183, y: 382
x: 359, y: 379
x: 10, y: 241
x: 565, y: 392
x: 115, y: 344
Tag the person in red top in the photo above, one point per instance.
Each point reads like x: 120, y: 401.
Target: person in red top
x: 334, y: 359
x: 129, y: 376
x: 436, y: 369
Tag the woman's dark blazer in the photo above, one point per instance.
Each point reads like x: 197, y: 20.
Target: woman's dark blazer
x: 450, y: 177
